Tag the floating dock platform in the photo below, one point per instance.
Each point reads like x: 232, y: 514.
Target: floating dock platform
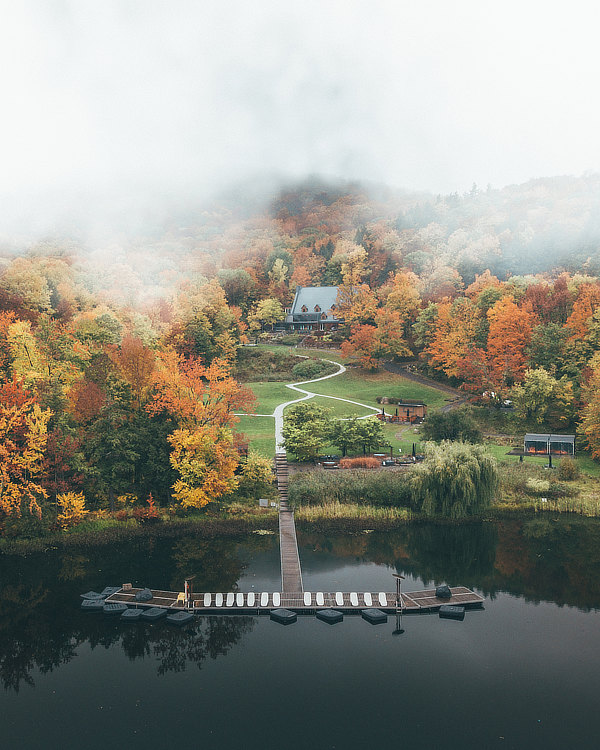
x: 301, y: 602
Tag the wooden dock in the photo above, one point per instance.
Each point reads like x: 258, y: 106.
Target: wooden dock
x: 292, y: 595
x: 301, y: 602
x: 291, y: 572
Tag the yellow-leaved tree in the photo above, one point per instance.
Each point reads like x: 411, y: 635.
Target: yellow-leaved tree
x: 206, y: 461
x: 23, y: 436
x: 71, y: 509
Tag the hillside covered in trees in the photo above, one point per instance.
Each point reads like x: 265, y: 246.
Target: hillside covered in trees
x: 117, y: 357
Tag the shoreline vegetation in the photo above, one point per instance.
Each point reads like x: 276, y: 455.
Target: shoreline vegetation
x: 326, y: 516
x: 357, y: 500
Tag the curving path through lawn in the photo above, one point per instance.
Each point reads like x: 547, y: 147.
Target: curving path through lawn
x: 278, y: 413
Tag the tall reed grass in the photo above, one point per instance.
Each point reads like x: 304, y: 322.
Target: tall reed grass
x: 355, y: 486
x: 337, y: 510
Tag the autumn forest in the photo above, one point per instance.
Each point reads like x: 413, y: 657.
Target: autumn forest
x: 119, y: 368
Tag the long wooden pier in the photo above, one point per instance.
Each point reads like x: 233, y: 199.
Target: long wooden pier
x: 291, y: 572
x: 300, y: 602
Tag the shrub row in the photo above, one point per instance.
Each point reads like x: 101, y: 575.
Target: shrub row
x: 361, y: 462
x: 358, y: 486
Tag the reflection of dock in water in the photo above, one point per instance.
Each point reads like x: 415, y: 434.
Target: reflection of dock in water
x: 292, y: 596
x: 300, y: 602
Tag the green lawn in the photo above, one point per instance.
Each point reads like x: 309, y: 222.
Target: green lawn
x: 334, y: 355
x: 339, y: 409
x: 586, y: 464
x: 357, y: 385
x: 364, y: 386
x: 269, y: 395
x: 261, y: 434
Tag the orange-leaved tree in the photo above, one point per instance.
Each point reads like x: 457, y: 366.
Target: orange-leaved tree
x: 590, y: 414
x: 508, y: 337
x: 196, y: 394
x: 584, y: 307
x: 202, y: 400
x: 362, y: 346
x: 454, y: 331
x: 136, y: 363
x: 356, y: 304
x: 390, y: 338
x: 23, y: 436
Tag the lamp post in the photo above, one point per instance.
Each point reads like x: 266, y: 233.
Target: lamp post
x: 399, y: 579
x: 399, y: 604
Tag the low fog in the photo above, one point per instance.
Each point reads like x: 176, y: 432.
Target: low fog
x: 117, y: 112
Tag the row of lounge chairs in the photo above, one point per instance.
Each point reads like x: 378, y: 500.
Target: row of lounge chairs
x: 262, y: 600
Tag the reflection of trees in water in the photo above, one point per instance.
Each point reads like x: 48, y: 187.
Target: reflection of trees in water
x: 28, y: 643
x: 217, y: 564
x: 552, y: 558
x: 41, y: 626
x: 431, y: 552
x: 210, y: 637
x: 544, y: 557
x: 461, y: 555
x: 43, y: 642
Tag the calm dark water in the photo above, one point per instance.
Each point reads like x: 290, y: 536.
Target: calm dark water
x: 522, y: 673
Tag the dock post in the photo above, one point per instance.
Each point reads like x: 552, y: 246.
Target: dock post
x: 399, y: 601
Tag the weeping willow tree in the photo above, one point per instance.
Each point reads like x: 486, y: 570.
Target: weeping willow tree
x: 455, y: 480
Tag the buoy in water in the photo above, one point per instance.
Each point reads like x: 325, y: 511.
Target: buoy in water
x: 114, y: 608
x: 330, y: 616
x: 153, y: 614
x: 374, y: 616
x: 450, y: 612
x: 131, y: 615
x: 180, y: 618
x: 283, y: 616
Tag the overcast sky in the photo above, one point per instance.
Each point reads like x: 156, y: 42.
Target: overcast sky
x: 121, y: 98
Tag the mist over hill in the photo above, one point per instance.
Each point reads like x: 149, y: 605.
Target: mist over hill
x: 541, y: 226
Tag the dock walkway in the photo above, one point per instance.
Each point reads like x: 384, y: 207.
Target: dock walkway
x: 291, y: 573
x: 300, y: 602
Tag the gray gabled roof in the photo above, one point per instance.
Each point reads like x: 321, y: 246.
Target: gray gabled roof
x: 310, y: 296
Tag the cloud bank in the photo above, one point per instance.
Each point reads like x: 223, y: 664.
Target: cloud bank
x: 126, y: 105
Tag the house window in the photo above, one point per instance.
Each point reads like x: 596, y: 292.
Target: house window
x: 304, y: 308
x: 333, y: 307
x: 317, y: 308
x: 323, y: 316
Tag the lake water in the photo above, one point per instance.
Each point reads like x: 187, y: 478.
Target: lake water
x: 524, y: 672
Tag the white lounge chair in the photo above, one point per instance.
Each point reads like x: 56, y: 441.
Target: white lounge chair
x: 230, y: 599
x: 207, y: 600
x: 264, y: 599
x: 276, y: 599
x: 320, y: 599
x: 307, y: 598
x: 218, y: 600
x: 368, y: 599
x: 239, y: 599
x: 382, y: 599
x: 251, y: 599
x: 354, y: 599
x: 339, y: 599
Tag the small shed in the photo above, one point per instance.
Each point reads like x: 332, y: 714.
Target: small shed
x: 542, y: 444
x: 410, y: 409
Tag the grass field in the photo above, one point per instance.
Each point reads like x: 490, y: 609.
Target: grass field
x: 357, y: 385
x: 364, y: 386
x: 261, y: 434
x: 269, y: 395
x: 586, y: 464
